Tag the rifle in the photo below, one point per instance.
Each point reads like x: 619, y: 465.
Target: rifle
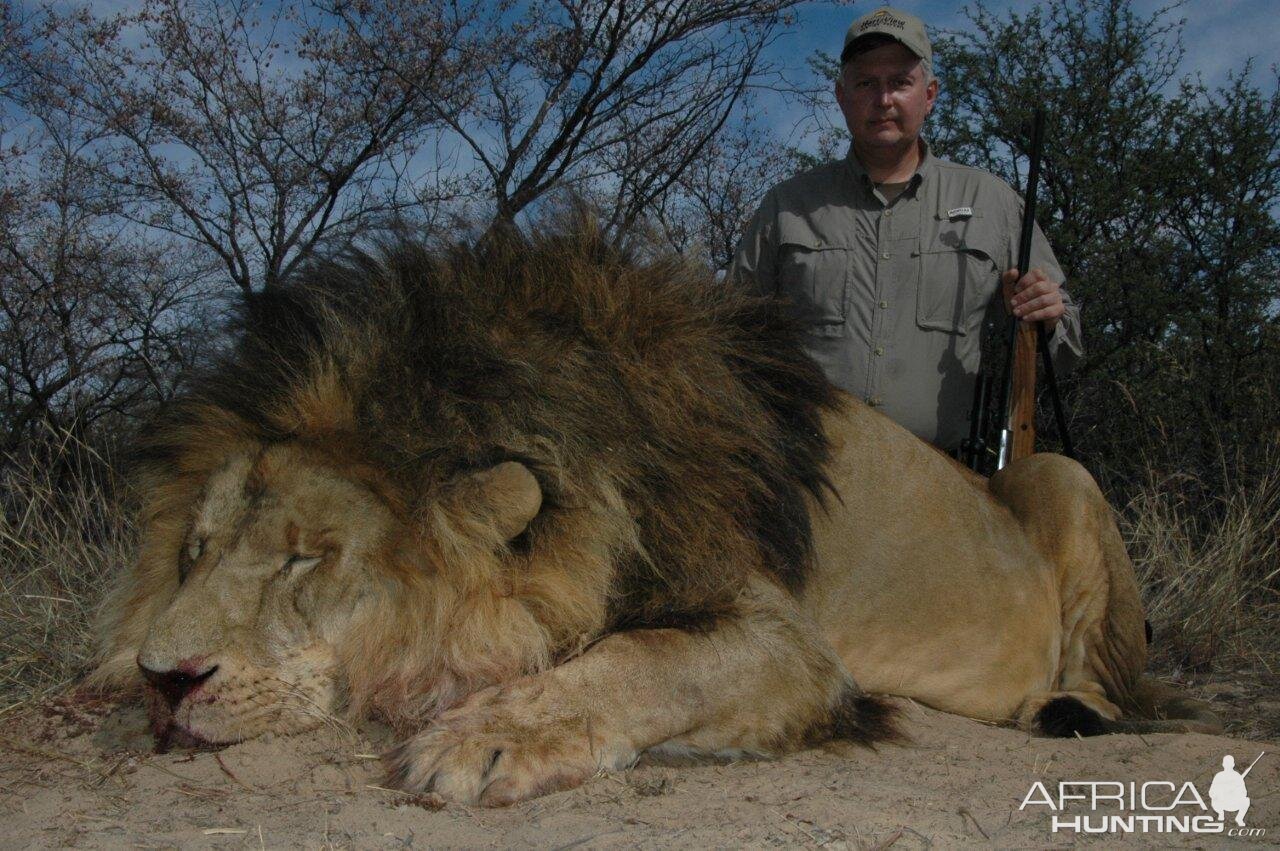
x: 974, y: 448
x: 1017, y: 402
x: 1252, y: 764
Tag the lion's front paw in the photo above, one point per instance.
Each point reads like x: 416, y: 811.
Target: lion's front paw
x: 504, y: 744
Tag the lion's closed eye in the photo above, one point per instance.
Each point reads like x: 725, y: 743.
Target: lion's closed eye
x: 189, y: 556
x: 298, y: 564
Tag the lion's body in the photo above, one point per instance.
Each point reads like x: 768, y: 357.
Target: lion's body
x: 553, y: 509
x: 929, y: 587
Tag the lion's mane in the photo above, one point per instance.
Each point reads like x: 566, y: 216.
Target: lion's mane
x: 671, y: 421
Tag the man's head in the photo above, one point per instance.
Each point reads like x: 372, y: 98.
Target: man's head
x: 886, y: 86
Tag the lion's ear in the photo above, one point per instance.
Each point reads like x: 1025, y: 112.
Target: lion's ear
x: 508, y: 493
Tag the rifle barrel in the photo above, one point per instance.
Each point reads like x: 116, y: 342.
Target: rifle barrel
x: 1029, y: 200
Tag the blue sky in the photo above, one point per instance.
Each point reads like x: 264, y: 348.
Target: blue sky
x: 1219, y: 34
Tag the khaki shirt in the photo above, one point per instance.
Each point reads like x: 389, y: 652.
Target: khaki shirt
x: 895, y: 295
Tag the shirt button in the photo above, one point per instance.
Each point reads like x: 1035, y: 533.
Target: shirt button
x: 884, y: 256
x: 888, y: 212
x: 884, y: 305
x: 874, y: 401
x: 879, y: 351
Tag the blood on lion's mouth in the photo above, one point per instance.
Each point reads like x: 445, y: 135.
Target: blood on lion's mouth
x: 169, y: 733
x: 169, y: 736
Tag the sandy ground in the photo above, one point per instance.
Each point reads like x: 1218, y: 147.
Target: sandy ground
x: 76, y: 778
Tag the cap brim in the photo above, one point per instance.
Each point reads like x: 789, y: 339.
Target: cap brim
x: 852, y: 47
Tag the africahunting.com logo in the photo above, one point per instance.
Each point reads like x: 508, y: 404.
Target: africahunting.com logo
x: 1155, y: 806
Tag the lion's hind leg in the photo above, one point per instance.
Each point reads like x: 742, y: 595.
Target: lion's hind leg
x: 1100, y: 682
x: 1103, y: 641
x: 759, y: 682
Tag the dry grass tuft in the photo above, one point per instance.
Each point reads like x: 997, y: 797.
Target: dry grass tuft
x: 63, y: 531
x: 1210, y: 571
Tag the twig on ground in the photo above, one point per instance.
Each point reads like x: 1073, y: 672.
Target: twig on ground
x: 227, y: 771
x: 966, y: 813
x: 888, y: 840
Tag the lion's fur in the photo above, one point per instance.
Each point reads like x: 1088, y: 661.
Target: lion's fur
x: 564, y: 505
x: 409, y: 369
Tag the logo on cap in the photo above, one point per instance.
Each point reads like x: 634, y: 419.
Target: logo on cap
x: 881, y: 18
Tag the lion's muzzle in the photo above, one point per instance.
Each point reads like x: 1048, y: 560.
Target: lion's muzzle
x: 176, y: 684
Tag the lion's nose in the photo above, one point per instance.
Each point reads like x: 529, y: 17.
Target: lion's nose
x: 175, y: 684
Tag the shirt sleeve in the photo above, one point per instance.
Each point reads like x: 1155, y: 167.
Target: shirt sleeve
x: 754, y: 265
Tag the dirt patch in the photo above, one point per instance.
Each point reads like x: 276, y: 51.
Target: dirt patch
x: 90, y: 778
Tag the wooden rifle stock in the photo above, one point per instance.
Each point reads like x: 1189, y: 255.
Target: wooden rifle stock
x: 1022, y: 404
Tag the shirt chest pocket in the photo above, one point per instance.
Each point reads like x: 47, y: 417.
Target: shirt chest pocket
x: 814, y: 277
x: 958, y: 277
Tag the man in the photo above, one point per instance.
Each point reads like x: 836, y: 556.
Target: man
x: 893, y: 256
x: 1227, y: 792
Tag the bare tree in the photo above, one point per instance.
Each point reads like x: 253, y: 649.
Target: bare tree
x: 610, y: 98
x: 93, y: 321
x: 708, y: 207
x: 258, y: 137
x: 183, y: 148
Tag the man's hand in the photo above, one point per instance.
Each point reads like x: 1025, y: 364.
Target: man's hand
x: 1036, y: 298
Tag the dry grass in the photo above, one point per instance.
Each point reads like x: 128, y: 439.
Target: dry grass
x: 63, y: 531
x: 1210, y: 571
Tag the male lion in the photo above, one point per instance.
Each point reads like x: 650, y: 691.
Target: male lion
x: 547, y: 508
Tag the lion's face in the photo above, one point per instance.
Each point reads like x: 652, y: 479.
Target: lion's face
x: 274, y: 567
x: 301, y: 590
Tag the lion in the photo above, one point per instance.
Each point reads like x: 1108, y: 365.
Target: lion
x: 546, y: 507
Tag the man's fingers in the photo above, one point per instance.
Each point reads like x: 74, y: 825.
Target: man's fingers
x: 1046, y: 315
x: 1037, y: 303
x: 1037, y: 289
x: 1036, y: 296
x: 1040, y: 289
x: 1051, y: 312
x: 1032, y: 277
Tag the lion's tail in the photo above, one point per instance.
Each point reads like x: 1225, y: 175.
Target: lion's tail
x: 858, y: 717
x: 1160, y: 708
x: 1151, y: 707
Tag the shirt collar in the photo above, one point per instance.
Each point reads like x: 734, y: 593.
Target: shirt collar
x: 928, y: 163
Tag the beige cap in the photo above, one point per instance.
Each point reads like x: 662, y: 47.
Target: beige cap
x: 901, y: 27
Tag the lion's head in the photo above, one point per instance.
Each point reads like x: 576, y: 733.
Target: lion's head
x: 298, y: 586
x: 417, y: 476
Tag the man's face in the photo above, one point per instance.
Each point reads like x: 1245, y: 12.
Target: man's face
x: 884, y: 97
